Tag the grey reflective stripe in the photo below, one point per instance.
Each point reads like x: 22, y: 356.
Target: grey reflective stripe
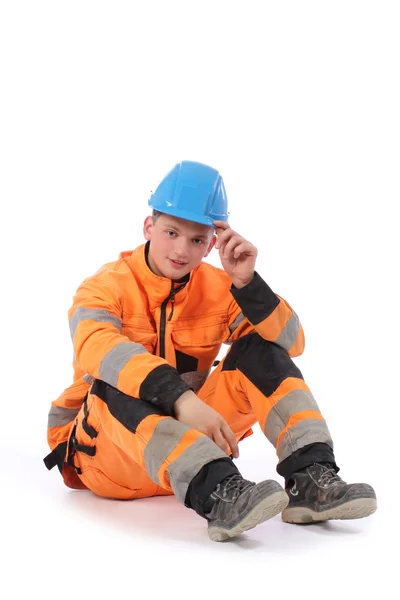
x: 59, y: 415
x: 184, y: 468
x: 195, y: 378
x: 289, y: 333
x: 293, y: 402
x: 303, y: 433
x: 166, y: 436
x: 239, y: 319
x: 88, y: 378
x: 115, y: 360
x: 93, y: 314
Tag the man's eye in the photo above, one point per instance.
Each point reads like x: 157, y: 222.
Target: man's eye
x: 197, y: 241
x: 171, y: 233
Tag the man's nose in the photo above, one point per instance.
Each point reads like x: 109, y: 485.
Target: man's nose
x: 181, y: 246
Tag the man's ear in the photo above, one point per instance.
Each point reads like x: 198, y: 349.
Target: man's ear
x: 211, y: 245
x: 147, y: 228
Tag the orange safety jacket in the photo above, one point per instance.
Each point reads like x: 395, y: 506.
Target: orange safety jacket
x: 153, y: 338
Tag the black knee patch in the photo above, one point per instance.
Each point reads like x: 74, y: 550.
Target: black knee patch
x: 264, y: 363
x: 129, y: 411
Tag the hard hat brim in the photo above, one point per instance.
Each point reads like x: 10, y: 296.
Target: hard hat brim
x: 188, y: 216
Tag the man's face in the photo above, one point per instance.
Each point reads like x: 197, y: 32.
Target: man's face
x: 176, y: 246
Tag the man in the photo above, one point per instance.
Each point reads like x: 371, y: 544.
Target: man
x: 144, y: 417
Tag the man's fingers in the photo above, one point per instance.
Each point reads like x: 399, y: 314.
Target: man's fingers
x: 223, y: 236
x: 221, y: 224
x: 244, y: 247
x: 221, y: 248
x: 220, y: 441
x: 236, y: 240
x: 231, y: 439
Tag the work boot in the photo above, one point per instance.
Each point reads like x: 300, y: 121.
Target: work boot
x: 317, y: 493
x: 237, y: 505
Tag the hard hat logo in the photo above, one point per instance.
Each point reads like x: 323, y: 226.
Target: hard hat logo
x: 192, y: 191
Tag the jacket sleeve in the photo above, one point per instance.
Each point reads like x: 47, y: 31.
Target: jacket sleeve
x: 257, y: 308
x: 104, y: 353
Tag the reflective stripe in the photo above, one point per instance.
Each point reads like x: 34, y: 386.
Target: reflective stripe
x: 184, y: 468
x: 166, y: 436
x: 195, y: 378
x: 90, y: 314
x: 116, y: 359
x: 293, y: 402
x: 60, y: 415
x: 308, y: 431
x: 289, y: 333
x: 239, y: 319
x: 88, y: 378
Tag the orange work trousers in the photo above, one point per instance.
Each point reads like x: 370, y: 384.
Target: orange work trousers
x: 126, y: 448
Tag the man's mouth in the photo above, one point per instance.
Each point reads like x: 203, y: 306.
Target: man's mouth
x: 178, y: 263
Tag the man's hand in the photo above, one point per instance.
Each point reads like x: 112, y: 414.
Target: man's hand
x: 238, y: 256
x: 192, y: 411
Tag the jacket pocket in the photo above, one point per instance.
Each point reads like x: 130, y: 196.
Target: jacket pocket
x: 203, y: 333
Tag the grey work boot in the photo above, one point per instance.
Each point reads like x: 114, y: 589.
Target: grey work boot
x: 237, y: 505
x: 317, y: 493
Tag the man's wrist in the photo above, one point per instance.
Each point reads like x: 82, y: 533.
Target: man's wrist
x: 239, y: 284
x: 188, y: 395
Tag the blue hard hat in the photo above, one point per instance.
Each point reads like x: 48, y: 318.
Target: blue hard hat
x: 192, y: 191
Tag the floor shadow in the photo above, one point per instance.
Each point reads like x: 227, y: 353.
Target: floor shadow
x: 161, y: 517
x: 165, y: 519
x: 350, y: 527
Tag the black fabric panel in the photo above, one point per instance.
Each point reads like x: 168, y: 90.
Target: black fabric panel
x: 56, y: 457
x: 88, y: 429
x: 256, y: 299
x: 126, y: 409
x: 89, y: 450
x: 264, y: 363
x: 185, y: 363
x: 304, y: 457
x: 205, y: 482
x: 162, y: 387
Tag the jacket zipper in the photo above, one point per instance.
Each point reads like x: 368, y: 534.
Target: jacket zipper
x: 163, y: 319
x: 162, y: 327
x: 172, y: 298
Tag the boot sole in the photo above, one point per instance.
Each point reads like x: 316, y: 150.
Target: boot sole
x: 355, y: 509
x: 266, y: 509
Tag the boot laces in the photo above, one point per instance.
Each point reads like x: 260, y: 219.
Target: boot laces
x: 328, y: 476
x: 229, y: 489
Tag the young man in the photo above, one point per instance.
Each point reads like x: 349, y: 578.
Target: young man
x: 144, y: 417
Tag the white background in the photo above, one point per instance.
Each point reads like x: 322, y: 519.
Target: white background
x: 297, y: 104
